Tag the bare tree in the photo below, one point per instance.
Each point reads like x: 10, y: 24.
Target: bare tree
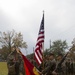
x: 11, y: 38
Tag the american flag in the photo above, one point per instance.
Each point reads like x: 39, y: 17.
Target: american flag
x: 40, y: 42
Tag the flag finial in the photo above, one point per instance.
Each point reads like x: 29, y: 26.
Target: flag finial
x: 43, y: 11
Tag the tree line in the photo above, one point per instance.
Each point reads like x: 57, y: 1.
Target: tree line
x: 11, y: 38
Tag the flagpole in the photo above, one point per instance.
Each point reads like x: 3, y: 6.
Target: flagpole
x: 33, y: 52
x: 50, y: 45
x: 39, y: 49
x: 43, y: 48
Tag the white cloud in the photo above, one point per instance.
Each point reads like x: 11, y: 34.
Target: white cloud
x: 26, y: 15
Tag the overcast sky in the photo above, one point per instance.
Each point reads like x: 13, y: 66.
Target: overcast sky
x: 25, y: 16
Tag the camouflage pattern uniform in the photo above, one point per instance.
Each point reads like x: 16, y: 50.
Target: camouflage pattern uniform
x: 61, y: 70
x: 22, y: 69
x: 11, y: 66
x: 43, y: 64
x: 67, y: 63
x: 50, y: 66
x: 14, y: 60
x: 72, y: 66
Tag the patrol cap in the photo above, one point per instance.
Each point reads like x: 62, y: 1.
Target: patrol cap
x: 60, y: 55
x: 11, y: 58
x: 68, y: 59
x: 51, y: 54
x: 14, y: 46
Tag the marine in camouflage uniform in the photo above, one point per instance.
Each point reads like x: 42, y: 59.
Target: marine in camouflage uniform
x: 67, y: 63
x: 61, y: 70
x: 14, y: 60
x: 72, y: 66
x: 43, y: 64
x: 22, y: 69
x: 11, y: 65
x: 51, y: 64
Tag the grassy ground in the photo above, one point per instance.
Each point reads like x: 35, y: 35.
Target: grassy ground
x: 3, y: 68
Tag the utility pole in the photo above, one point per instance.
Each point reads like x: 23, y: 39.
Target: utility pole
x: 33, y: 52
x: 50, y: 45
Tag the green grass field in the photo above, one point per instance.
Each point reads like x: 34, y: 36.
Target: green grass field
x: 3, y: 68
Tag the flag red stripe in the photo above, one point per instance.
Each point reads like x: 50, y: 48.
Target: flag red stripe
x: 39, y: 56
x: 40, y: 42
x: 38, y: 49
x: 36, y: 60
x: 40, y: 37
x: 41, y: 32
